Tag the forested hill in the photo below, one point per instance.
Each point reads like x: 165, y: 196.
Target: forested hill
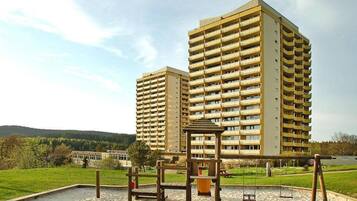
x: 122, y: 139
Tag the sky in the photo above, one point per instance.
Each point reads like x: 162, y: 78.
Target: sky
x: 73, y: 64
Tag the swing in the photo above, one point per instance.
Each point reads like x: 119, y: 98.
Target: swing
x: 250, y: 195
x: 288, y: 192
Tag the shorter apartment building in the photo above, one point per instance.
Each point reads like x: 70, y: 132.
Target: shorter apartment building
x: 162, y: 109
x: 94, y: 158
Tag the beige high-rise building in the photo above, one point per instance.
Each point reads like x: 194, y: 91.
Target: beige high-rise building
x: 162, y: 109
x: 250, y: 71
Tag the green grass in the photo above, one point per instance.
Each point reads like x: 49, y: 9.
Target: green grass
x: 15, y: 183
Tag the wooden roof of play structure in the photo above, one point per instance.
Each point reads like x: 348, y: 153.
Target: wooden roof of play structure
x: 203, y: 126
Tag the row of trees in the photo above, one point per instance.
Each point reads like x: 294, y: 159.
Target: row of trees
x: 340, y: 144
x: 16, y: 152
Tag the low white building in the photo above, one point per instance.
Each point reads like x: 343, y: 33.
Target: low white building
x: 94, y: 158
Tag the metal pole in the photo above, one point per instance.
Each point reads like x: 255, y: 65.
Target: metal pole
x: 97, y: 183
x: 188, y: 166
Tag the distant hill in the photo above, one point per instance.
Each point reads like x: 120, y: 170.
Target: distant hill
x: 120, y: 138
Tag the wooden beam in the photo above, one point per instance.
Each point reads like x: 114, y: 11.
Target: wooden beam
x: 315, y: 175
x: 97, y: 183
x: 322, y: 183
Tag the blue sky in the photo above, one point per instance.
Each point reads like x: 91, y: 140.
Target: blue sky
x: 73, y: 64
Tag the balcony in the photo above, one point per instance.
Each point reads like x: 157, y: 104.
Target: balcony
x: 307, y: 104
x: 230, y: 104
x: 249, y: 152
x: 247, y: 92
x: 231, y: 94
x: 288, y: 52
x: 212, y: 106
x: 249, y: 142
x: 213, y: 115
x: 230, y: 123
x: 250, y: 21
x: 250, y: 41
x: 196, y: 108
x: 288, y: 89
x: 250, y: 81
x: 288, y: 107
x: 196, y: 116
x: 287, y: 43
x: 196, y: 48
x: 250, y: 61
x: 196, y: 100
x: 212, y: 52
x: 307, y: 112
x: 231, y: 27
x: 250, y: 122
x: 289, y: 80
x: 307, y: 80
x: 289, y: 35
x: 288, y: 125
x: 213, y: 78
x: 307, y: 96
x: 307, y: 88
x: 197, y: 82
x: 213, y: 60
x: 197, y: 39
x: 196, y: 74
x: 230, y: 85
x: 213, y: 88
x: 231, y: 46
x: 230, y: 114
x: 250, y: 51
x: 196, y: 65
x: 213, y: 42
x: 230, y: 142
x: 230, y: 66
x: 288, y: 116
x: 230, y: 75
x: 230, y: 37
x: 196, y: 56
x: 250, y: 111
x: 213, y: 97
x: 251, y: 71
x: 250, y: 31
x: 230, y: 56
x: 230, y: 151
x: 307, y: 72
x: 288, y: 61
x: 231, y: 132
x: 213, y: 33
x: 213, y: 70
x: 250, y: 102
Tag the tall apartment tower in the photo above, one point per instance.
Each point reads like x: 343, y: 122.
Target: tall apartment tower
x: 250, y: 72
x: 162, y: 109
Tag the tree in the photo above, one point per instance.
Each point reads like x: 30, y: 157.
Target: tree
x: 9, y: 147
x: 153, y: 157
x: 60, y: 155
x: 110, y: 163
x: 138, y: 153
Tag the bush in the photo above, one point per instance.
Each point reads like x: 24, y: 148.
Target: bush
x: 110, y: 163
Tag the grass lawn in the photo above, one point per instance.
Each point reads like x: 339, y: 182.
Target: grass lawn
x: 15, y: 183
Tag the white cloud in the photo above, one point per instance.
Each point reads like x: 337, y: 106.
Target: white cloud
x: 147, y: 53
x: 64, y: 18
x: 101, y: 80
x: 31, y: 99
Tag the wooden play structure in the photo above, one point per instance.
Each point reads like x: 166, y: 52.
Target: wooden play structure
x: 198, y: 127
x: 204, y: 127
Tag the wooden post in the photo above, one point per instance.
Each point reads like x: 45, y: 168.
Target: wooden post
x: 97, y: 183
x: 162, y: 176
x: 267, y: 169
x: 158, y: 180
x: 129, y: 183
x: 188, y: 166
x: 136, y: 172
x: 218, y: 167
x: 315, y: 174
x: 322, y: 182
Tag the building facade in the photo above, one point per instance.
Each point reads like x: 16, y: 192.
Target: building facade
x: 95, y: 158
x: 162, y: 109
x: 250, y: 72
